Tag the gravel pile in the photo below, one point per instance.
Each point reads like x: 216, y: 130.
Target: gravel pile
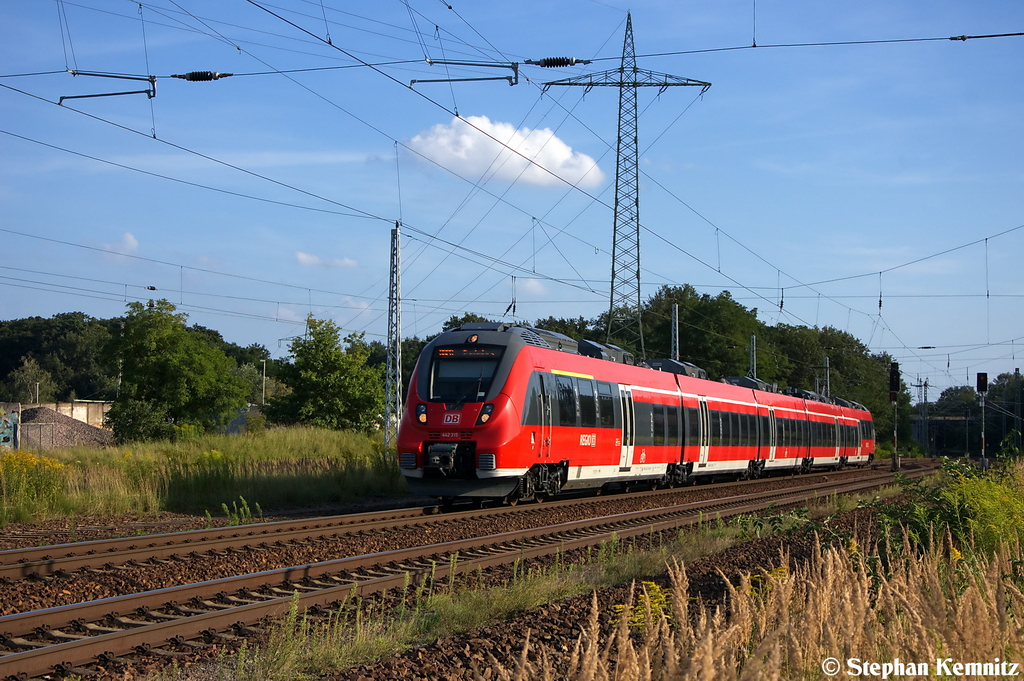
x: 45, y: 428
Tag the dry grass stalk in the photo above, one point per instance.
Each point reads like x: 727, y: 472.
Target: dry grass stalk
x: 782, y: 626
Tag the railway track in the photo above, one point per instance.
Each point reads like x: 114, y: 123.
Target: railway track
x: 64, y: 639
x: 62, y: 559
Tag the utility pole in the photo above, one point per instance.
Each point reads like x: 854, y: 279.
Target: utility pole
x: 828, y: 379
x: 675, y: 331
x: 894, y: 390
x: 393, y: 368
x: 753, y: 357
x: 922, y: 403
x: 983, y: 390
x: 1016, y: 405
x: 624, y: 303
x: 264, y: 400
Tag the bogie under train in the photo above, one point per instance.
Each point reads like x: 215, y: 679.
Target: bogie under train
x: 497, y: 411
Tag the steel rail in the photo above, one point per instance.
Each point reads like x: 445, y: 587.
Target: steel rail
x: 333, y: 581
x: 44, y: 561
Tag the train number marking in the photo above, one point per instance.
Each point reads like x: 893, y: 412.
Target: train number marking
x: 452, y: 419
x: 588, y: 439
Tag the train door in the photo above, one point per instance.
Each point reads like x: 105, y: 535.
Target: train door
x: 547, y: 391
x: 838, y: 439
x: 705, y: 431
x: 628, y: 430
x: 772, y: 425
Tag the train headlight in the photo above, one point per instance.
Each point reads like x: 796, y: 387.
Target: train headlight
x: 421, y: 413
x: 485, y: 414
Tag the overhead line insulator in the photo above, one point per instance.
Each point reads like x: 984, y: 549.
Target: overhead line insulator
x: 195, y: 76
x: 556, y: 62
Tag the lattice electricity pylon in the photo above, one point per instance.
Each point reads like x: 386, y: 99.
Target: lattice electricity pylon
x: 624, y: 302
x: 393, y: 368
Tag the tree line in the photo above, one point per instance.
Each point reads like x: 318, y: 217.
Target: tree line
x: 167, y: 377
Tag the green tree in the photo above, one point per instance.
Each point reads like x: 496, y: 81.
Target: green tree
x: 579, y: 328
x: 28, y: 380
x: 455, y: 321
x: 332, y: 386
x: 170, y: 378
x: 714, y: 332
x: 70, y: 347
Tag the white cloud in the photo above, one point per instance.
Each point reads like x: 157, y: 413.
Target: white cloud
x: 128, y: 245
x: 533, y: 286
x: 310, y: 260
x: 462, y: 147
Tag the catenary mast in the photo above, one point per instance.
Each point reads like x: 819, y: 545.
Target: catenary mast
x: 624, y: 302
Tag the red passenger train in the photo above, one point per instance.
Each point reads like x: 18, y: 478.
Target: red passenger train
x: 509, y: 412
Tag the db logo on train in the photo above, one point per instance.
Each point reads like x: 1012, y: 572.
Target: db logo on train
x: 452, y: 419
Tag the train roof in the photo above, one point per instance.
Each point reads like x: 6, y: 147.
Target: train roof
x: 552, y: 340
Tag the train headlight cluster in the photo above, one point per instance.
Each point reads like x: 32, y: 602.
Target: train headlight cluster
x: 421, y: 413
x: 485, y: 414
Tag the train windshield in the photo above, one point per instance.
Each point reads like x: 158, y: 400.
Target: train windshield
x: 463, y: 373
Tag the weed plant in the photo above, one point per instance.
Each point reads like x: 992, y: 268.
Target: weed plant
x: 979, y: 509
x: 29, y: 482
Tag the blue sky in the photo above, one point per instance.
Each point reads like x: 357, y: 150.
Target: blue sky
x: 802, y: 174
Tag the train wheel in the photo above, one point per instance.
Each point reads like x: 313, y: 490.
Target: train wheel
x: 511, y: 499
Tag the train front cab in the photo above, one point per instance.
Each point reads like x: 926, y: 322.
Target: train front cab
x: 462, y: 411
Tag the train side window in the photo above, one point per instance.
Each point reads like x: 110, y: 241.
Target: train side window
x: 532, y: 408
x: 566, y: 401
x: 658, y: 424
x: 717, y: 426
x: 644, y: 427
x: 672, y: 420
x: 692, y: 427
x: 588, y: 407
x: 605, y: 403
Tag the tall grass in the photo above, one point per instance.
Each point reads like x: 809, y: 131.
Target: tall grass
x: 979, y: 509
x: 925, y: 609
x: 361, y: 631
x: 293, y: 467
